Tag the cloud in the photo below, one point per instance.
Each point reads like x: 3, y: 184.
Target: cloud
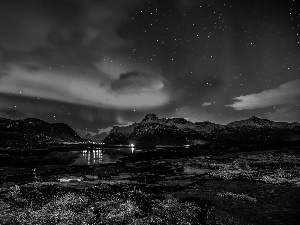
x: 73, y: 89
x: 77, y: 34
x: 136, y: 82
x: 205, y: 104
x: 288, y: 114
x: 23, y: 26
x: 30, y: 25
x: 288, y: 93
x: 106, y: 130
x: 71, y: 38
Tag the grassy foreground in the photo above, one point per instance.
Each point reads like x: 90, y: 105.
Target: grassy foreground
x: 52, y: 203
x: 255, y: 188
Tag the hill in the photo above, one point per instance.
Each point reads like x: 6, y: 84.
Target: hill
x: 97, y: 137
x: 153, y: 131
x: 34, y: 132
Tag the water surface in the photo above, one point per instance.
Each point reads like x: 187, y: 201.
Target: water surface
x: 95, y: 156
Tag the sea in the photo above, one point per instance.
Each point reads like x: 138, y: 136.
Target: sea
x: 20, y: 164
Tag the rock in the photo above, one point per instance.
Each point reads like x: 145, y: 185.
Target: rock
x: 71, y: 179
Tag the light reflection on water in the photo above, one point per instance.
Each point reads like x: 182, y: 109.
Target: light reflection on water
x: 92, y: 156
x: 95, y: 156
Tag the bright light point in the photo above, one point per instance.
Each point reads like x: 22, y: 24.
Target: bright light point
x: 131, y: 145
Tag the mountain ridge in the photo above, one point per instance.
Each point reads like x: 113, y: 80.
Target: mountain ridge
x: 173, y: 131
x: 33, y: 131
x: 96, y: 137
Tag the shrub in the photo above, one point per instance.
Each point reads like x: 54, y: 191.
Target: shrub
x: 237, y: 196
x: 131, y: 207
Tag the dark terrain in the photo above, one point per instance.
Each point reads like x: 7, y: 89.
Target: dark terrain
x: 152, y: 131
x: 233, y: 179
x: 33, y: 133
x: 261, y: 187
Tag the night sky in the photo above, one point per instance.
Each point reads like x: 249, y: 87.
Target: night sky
x: 95, y: 64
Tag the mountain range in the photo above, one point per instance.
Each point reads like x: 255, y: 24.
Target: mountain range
x: 97, y: 137
x: 152, y: 131
x: 34, y: 132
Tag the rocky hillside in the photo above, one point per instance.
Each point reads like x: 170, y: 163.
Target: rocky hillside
x: 120, y: 135
x: 256, y: 128
x: 28, y: 132
x: 153, y: 131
